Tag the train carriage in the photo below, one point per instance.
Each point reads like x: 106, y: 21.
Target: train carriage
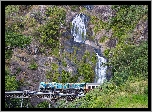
x: 67, y: 88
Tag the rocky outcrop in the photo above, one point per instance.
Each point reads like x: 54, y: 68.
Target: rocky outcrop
x: 22, y: 58
x: 104, y: 12
x: 141, y: 31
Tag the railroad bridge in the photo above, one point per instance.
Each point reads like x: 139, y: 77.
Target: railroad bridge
x: 52, y: 92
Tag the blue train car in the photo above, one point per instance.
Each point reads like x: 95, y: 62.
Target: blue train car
x: 58, y: 87
x: 42, y: 86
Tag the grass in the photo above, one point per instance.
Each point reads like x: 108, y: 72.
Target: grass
x: 128, y: 95
x: 130, y: 101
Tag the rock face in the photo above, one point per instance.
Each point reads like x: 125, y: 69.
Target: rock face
x: 141, y: 31
x: 22, y: 58
x: 104, y: 11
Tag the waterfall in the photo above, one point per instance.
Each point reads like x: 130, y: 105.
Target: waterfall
x: 79, y: 33
x: 79, y: 28
x: 100, y: 69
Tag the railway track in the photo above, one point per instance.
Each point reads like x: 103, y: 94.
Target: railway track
x: 49, y: 96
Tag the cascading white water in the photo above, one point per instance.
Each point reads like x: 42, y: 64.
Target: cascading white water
x: 100, y: 70
x: 79, y: 33
x: 79, y: 29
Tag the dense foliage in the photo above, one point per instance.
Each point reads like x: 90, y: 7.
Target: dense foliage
x: 129, y: 61
x: 49, y: 33
x: 127, y: 17
x: 13, y: 39
x: 128, y: 87
x: 10, y: 81
x: 127, y: 58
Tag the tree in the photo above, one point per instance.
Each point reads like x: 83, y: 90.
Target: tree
x: 49, y: 32
x: 11, y: 83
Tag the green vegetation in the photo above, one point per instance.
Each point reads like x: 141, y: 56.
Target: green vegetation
x: 13, y: 21
x: 44, y: 104
x: 49, y: 33
x: 129, y: 61
x: 13, y: 30
x: 8, y: 54
x: 65, y: 76
x: 103, y: 39
x: 99, y: 24
x: 55, y: 52
x: 128, y: 87
x: 10, y: 81
x: 127, y: 17
x: 85, y: 67
x: 75, y: 7
x: 11, y: 9
x: 112, y: 96
x: 13, y: 39
x: 29, y: 22
x: 53, y: 74
x: 33, y: 65
x: 54, y: 77
x: 64, y: 63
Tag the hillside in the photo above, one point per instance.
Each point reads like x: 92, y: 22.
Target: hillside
x: 40, y: 46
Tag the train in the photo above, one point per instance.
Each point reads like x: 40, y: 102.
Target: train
x: 67, y: 88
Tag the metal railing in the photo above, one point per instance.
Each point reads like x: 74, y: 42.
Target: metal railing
x: 50, y: 96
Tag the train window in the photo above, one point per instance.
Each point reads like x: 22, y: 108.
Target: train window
x: 89, y: 87
x: 93, y: 87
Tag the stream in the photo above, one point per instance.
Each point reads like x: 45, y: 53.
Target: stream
x: 79, y: 33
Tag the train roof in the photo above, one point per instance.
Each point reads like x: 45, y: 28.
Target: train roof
x: 93, y: 83
x: 72, y: 83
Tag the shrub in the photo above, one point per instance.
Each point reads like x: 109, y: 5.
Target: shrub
x: 49, y: 32
x: 8, y: 54
x: 65, y: 76
x: 33, y: 65
x: 13, y: 39
x: 11, y: 83
x: 129, y: 61
x: 43, y: 104
x: 10, y: 10
x: 127, y: 16
x: 102, y: 39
